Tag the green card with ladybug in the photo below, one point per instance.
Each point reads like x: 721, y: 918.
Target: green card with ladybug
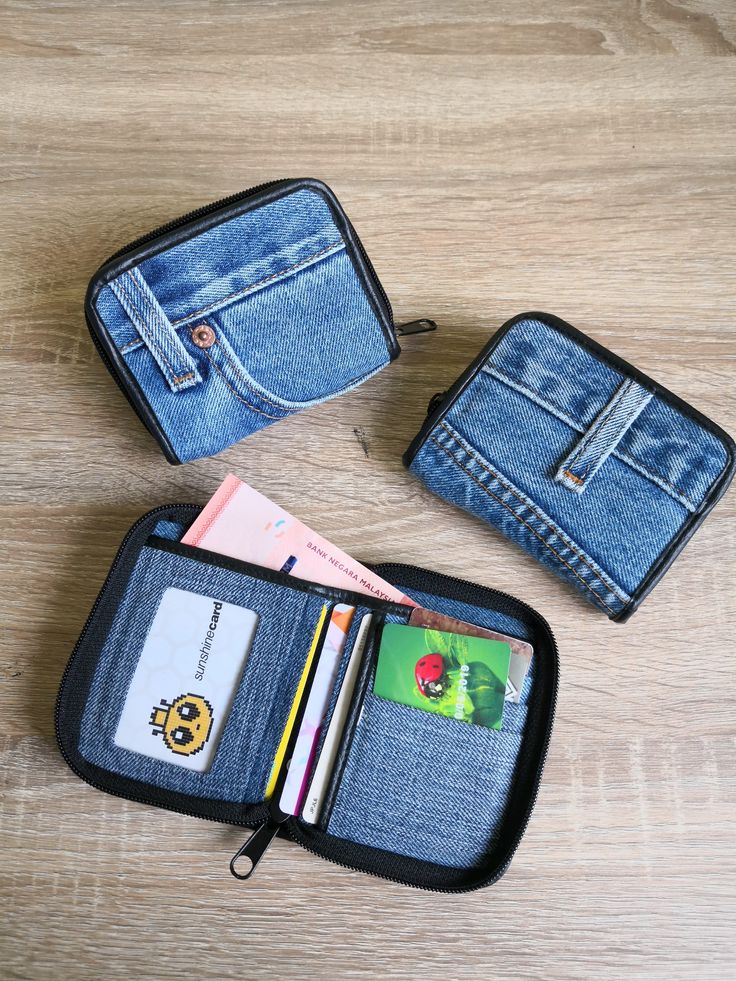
x: 454, y: 675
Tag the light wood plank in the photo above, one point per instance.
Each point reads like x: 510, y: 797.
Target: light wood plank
x: 578, y: 157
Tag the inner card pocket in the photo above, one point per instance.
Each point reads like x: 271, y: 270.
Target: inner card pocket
x: 258, y: 699
x: 425, y: 786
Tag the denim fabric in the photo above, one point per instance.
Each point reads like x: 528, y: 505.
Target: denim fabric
x: 587, y: 457
x: 287, y: 619
x: 291, y: 322
x: 344, y: 661
x: 173, y: 530
x: 426, y: 786
x: 543, y: 404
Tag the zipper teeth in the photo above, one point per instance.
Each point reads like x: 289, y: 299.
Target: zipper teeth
x: 291, y: 826
x: 200, y: 212
x: 207, y: 209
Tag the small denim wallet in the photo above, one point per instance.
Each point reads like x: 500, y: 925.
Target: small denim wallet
x: 240, y: 314
x: 414, y: 797
x: 591, y: 467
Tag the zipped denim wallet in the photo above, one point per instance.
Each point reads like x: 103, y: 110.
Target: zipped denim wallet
x: 240, y: 314
x: 418, y: 798
x: 591, y: 467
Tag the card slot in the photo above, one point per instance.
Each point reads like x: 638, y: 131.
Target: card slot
x: 346, y: 657
x: 425, y: 786
x: 262, y: 698
x: 362, y: 686
x: 359, y: 617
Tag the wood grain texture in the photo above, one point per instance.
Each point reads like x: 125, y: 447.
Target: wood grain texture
x: 577, y: 157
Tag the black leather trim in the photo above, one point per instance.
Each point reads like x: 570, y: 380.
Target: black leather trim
x: 663, y: 562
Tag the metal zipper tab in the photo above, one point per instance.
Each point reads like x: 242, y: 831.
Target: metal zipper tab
x: 421, y: 326
x: 435, y: 401
x: 255, y: 847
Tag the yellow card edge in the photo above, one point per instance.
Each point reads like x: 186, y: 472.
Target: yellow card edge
x: 281, y: 751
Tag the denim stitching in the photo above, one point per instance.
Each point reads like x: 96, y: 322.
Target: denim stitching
x: 143, y: 328
x: 248, y: 289
x: 576, y: 552
x: 595, y: 429
x: 523, y: 522
x: 138, y: 279
x: 494, y: 371
x: 241, y: 374
x: 147, y: 337
x: 237, y: 396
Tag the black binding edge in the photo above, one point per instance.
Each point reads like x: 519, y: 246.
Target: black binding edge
x: 439, y: 407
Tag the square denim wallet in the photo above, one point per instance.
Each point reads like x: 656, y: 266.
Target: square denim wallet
x: 415, y: 797
x: 591, y: 467
x: 240, y: 314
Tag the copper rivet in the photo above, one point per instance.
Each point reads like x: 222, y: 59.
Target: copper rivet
x: 203, y: 335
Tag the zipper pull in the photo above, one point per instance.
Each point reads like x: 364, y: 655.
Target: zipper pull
x: 416, y: 327
x: 435, y: 401
x: 255, y: 847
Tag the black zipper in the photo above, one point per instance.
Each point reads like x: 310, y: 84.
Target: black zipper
x: 225, y: 202
x: 291, y: 826
x: 200, y: 212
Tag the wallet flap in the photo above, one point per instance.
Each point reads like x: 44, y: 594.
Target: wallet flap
x: 270, y: 615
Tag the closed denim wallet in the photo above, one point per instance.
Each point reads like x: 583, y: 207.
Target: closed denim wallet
x: 414, y: 797
x: 240, y: 314
x: 594, y: 469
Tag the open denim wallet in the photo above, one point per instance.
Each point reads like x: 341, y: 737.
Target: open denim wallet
x: 591, y: 467
x: 240, y: 314
x: 415, y: 797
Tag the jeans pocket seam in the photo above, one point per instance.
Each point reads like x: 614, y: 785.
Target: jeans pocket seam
x: 239, y: 371
x: 526, y: 524
x: 237, y: 395
x: 493, y: 371
x: 332, y: 248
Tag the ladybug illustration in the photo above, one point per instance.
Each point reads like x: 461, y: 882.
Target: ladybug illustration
x: 430, y: 675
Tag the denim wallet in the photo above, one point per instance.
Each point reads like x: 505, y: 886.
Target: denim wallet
x: 418, y: 798
x: 594, y: 469
x: 240, y: 314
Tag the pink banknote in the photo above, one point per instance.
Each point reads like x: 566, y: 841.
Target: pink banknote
x: 241, y: 523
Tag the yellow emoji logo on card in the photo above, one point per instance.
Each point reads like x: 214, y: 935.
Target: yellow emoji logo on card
x: 185, y: 723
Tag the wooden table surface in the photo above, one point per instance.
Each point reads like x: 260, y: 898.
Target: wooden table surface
x: 575, y: 157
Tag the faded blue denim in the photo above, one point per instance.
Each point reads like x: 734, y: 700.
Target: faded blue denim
x: 426, y: 786
x: 292, y: 324
x: 582, y: 467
